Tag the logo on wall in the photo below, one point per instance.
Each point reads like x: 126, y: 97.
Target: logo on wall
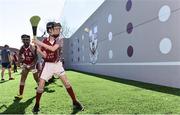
x: 93, y: 43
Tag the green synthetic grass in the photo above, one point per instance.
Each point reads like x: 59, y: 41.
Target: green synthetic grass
x: 99, y: 95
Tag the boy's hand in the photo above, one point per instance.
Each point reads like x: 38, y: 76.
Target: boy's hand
x: 36, y: 41
x: 38, y: 48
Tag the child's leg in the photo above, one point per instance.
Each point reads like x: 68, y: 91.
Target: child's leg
x: 76, y: 103
x: 9, y: 71
x: 2, y: 73
x: 40, y: 90
x: 68, y: 87
x: 22, y: 81
x: 36, y: 77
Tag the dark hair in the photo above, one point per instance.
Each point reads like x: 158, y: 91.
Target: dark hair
x: 6, y: 46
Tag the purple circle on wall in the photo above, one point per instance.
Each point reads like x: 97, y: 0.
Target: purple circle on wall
x: 129, y: 28
x: 78, y: 49
x: 78, y: 59
x: 130, y: 51
x: 128, y: 5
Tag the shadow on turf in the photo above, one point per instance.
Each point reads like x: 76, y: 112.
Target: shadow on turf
x: 17, y: 107
x: 158, y: 88
x: 47, y: 90
x: 3, y: 106
x: 51, y: 81
x: 75, y: 111
x: 3, y: 81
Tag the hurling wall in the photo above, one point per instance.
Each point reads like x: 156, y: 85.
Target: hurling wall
x: 131, y: 39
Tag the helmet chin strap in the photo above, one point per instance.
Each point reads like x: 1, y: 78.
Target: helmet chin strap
x: 55, y: 36
x: 26, y: 45
x: 51, y: 35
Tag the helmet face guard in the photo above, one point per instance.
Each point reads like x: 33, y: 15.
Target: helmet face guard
x: 57, y: 25
x: 25, y: 39
x: 52, y: 25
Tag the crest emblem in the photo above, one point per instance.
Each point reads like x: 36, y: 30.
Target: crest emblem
x: 93, y: 45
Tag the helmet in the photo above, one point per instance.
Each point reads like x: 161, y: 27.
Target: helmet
x: 24, y: 36
x: 50, y: 25
x: 57, y: 24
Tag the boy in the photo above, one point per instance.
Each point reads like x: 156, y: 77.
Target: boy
x: 6, y: 62
x: 27, y: 60
x: 50, y: 50
x: 15, y: 59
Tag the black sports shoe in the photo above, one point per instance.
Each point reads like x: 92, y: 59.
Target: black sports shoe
x: 77, y: 105
x: 36, y: 109
x: 2, y: 79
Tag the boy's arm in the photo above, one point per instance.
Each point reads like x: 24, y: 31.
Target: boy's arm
x: 9, y: 56
x: 51, y: 48
x: 20, y: 58
x: 43, y: 53
x: 34, y: 50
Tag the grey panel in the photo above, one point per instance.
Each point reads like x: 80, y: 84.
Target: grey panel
x: 148, y: 63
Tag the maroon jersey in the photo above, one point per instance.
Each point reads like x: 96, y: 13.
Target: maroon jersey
x: 50, y: 55
x: 15, y: 58
x: 28, y: 55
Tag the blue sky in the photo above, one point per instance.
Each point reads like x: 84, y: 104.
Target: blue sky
x: 15, y: 14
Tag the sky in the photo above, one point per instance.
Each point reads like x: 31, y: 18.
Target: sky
x: 15, y: 15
